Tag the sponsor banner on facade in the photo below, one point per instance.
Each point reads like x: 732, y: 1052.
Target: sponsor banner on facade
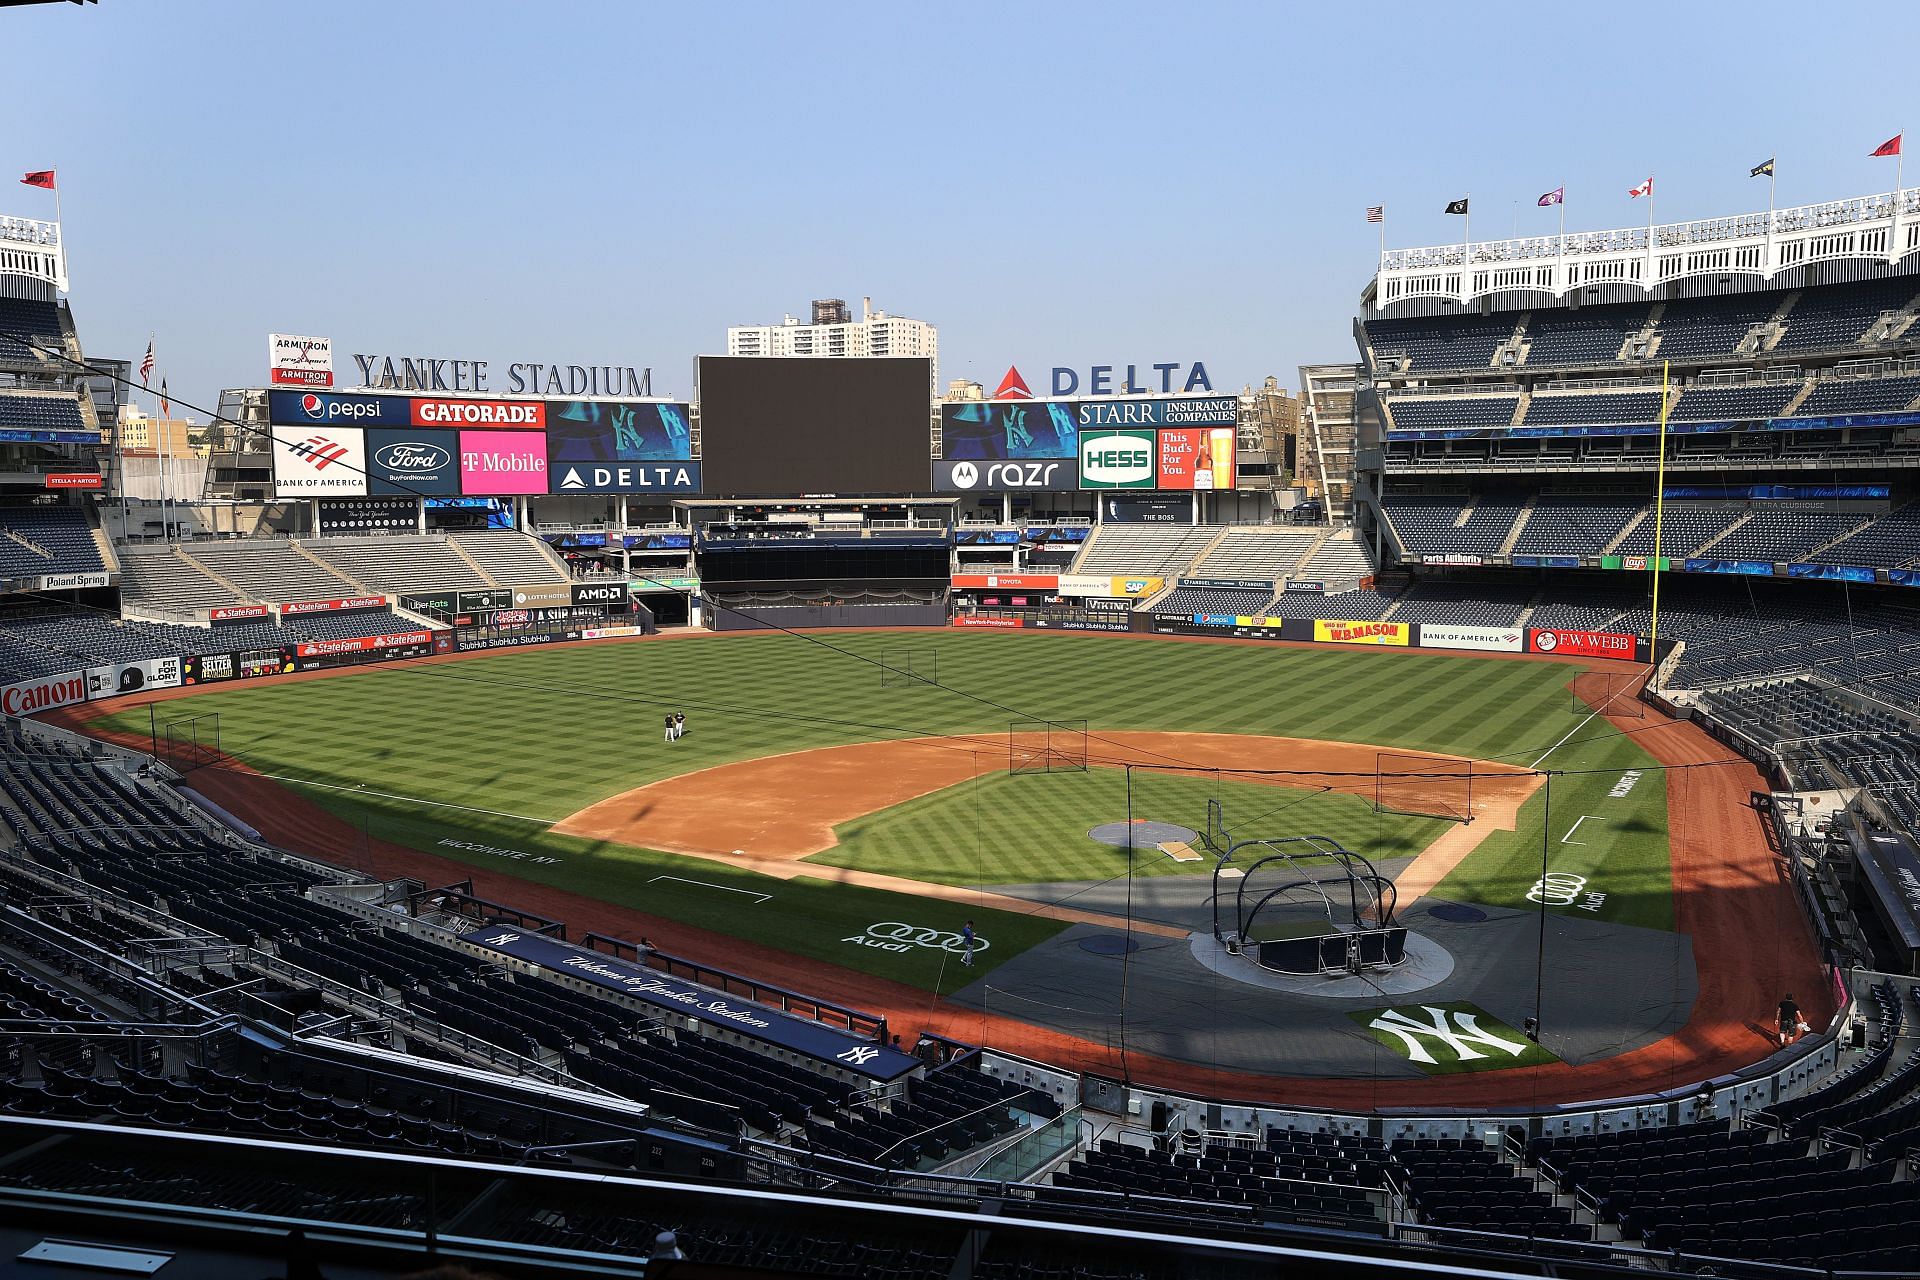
x: 494, y: 463
x: 1305, y: 586
x: 965, y: 475
x: 325, y: 462
x: 664, y: 582
x: 1009, y: 581
x: 618, y: 431
x: 514, y: 639
x: 1228, y: 584
x: 1171, y: 411
x: 207, y: 668
x: 295, y: 608
x: 518, y: 415
x: 1147, y: 509
x: 237, y: 612
x: 1117, y: 459
x: 44, y: 694
x: 1581, y: 644
x: 608, y: 633
x: 541, y: 597
x: 600, y: 592
x: 74, y: 480
x: 991, y: 430
x: 71, y: 581
x: 1490, y: 639
x: 295, y: 361
x: 626, y: 477
x: 1135, y: 587
x: 333, y: 409
x: 1093, y: 623
x: 1452, y: 557
x: 1341, y: 632
x: 361, y: 644
x: 131, y: 677
x: 987, y: 624
x: 410, y: 462
x: 1637, y: 564
x: 1098, y: 604
x: 1196, y: 458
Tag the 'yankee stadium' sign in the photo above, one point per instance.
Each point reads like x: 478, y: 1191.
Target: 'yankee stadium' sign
x: 529, y: 377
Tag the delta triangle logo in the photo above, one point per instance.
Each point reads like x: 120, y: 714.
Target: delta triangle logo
x: 1013, y: 386
x: 572, y: 480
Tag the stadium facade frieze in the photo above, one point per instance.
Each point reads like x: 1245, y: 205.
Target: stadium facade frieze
x: 524, y: 377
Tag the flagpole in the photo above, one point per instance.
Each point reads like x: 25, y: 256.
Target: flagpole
x: 1772, y: 178
x: 1899, y: 160
x: 1466, y: 250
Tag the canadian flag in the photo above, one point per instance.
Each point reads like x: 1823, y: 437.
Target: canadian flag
x: 1644, y: 189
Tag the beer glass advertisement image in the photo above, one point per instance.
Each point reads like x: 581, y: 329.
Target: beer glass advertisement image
x: 1196, y: 457
x: 989, y: 429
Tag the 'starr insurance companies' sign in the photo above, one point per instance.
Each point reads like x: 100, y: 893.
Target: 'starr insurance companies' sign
x: 524, y: 377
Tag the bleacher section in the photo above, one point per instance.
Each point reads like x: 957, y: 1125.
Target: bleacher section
x: 1685, y: 528
x: 400, y: 565
x: 512, y: 559
x: 1435, y: 525
x: 162, y: 578
x: 41, y: 540
x: 1159, y: 550
x: 1892, y: 541
x: 1464, y: 604
x: 1785, y: 531
x: 1258, y: 553
x: 20, y: 411
x: 36, y: 318
x: 1447, y: 412
x: 1575, y: 524
x: 1697, y: 328
x: 1342, y: 558
x: 1562, y: 408
x: 270, y: 569
x: 1440, y: 343
x: 1842, y: 315
x: 1592, y: 335
x: 1186, y: 601
x: 1858, y: 395
x: 1747, y: 402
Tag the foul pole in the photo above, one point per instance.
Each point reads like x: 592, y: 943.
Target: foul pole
x: 1659, y: 510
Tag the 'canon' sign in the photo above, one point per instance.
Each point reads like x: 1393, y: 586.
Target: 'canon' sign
x: 44, y: 694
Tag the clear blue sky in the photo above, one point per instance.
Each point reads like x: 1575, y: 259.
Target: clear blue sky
x: 1051, y: 184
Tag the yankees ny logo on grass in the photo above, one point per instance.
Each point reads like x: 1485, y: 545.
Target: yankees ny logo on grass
x: 1457, y: 1030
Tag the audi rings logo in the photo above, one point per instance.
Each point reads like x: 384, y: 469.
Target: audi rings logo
x: 1557, y: 889
x: 895, y: 935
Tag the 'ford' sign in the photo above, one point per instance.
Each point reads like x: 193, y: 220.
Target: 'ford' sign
x: 412, y: 461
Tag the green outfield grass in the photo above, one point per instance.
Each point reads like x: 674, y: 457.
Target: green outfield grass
x: 489, y: 751
x: 999, y: 829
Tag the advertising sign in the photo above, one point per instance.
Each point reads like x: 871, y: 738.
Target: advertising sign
x: 294, y: 608
x: 72, y: 581
x: 1157, y: 510
x: 983, y: 430
x: 1451, y: 557
x: 73, y: 480
x: 1393, y: 633
x: 499, y: 598
x: 1009, y: 581
x: 1196, y: 458
x: 408, y: 462
x: 203, y: 667
x: 1831, y: 572
x: 1490, y: 639
x: 237, y: 612
x: 361, y: 644
x: 541, y: 597
x: 1581, y: 644
x: 1135, y: 380
x: 335, y: 410
x: 44, y: 694
x: 987, y: 624
x: 618, y: 431
x: 502, y: 462
x: 329, y: 462
x: 600, y: 592
x: 625, y: 477
x: 1750, y: 568
x: 293, y: 361
x: 1229, y: 584
x: 1305, y: 586
x: 131, y: 677
x: 1117, y: 459
x: 528, y: 415
x: 1044, y: 475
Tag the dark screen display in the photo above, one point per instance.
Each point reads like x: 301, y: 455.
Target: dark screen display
x: 778, y: 427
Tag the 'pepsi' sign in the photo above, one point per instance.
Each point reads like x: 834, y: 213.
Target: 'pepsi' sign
x: 326, y: 408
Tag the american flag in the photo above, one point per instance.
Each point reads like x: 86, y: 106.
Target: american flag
x: 146, y: 363
x: 1376, y: 213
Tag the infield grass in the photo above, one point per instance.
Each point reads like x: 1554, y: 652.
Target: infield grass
x: 506, y: 744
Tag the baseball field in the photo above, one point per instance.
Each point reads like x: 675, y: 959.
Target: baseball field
x: 813, y: 796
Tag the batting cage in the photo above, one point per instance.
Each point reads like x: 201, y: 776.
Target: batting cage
x: 1423, y: 786
x: 1046, y: 746
x: 900, y: 667
x: 1615, y: 692
x: 1306, y: 905
x: 189, y: 741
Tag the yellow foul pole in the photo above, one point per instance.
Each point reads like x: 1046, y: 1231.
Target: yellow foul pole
x: 1659, y: 510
